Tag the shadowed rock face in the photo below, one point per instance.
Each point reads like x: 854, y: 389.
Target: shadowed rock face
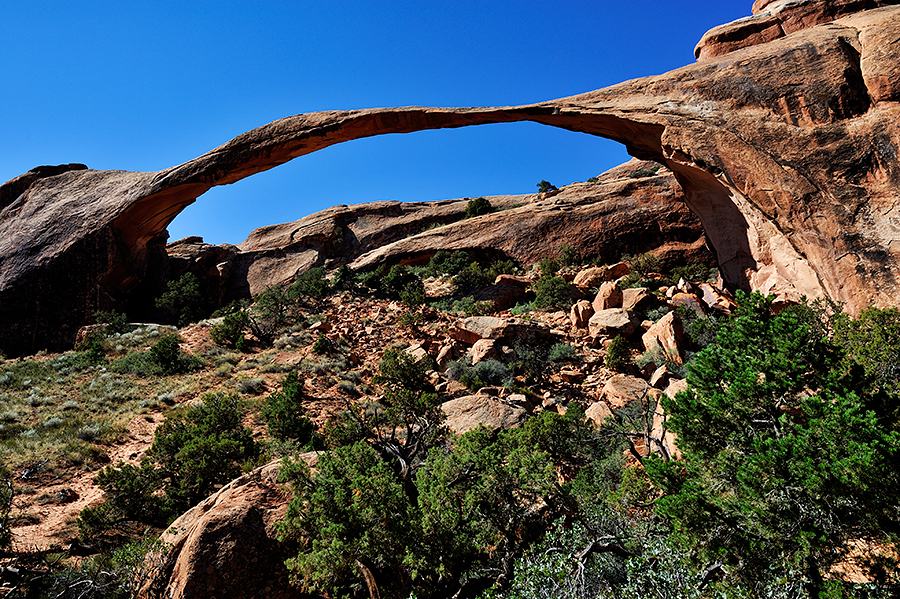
x: 786, y: 151
x: 630, y: 209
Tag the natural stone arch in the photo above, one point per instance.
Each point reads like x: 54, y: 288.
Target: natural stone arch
x: 786, y: 151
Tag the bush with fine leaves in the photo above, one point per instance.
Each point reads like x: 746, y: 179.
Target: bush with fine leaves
x: 284, y: 412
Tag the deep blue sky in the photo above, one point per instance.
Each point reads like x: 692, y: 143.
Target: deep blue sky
x: 147, y: 85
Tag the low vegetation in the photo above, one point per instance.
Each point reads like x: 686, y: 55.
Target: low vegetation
x: 788, y: 434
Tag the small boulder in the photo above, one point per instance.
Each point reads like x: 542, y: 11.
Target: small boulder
x: 483, y: 349
x: 637, y: 299
x: 596, y: 275
x: 469, y: 330
x: 609, y: 296
x: 612, y: 322
x: 622, y: 389
x: 598, y: 412
x: 469, y: 412
x: 715, y: 299
x: 688, y: 300
x: 581, y: 313
x: 667, y: 333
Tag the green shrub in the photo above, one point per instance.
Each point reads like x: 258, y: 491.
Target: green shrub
x: 168, y: 354
x: 322, y: 345
x: 786, y: 455
x: 7, y: 494
x: 569, y: 256
x: 183, y: 299
x: 562, y: 352
x: 478, y: 207
x: 199, y: 449
x: 696, y: 273
x: 618, y: 354
x: 114, y: 321
x: 487, y: 373
x: 552, y: 293
x: 645, y: 172
x: 230, y: 331
x: 548, y: 267
x: 310, y: 286
x: 644, y: 264
x: 545, y: 186
x: 399, y: 369
x: 470, y: 278
x: 500, y: 267
x: 448, y: 263
x: 284, y: 413
x: 413, y: 294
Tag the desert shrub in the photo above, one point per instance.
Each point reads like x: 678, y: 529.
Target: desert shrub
x: 500, y: 267
x: 548, y: 267
x: 661, y: 357
x: 562, y: 352
x: 787, y: 455
x: 448, y: 263
x: 413, y: 294
x: 284, y: 413
x: 645, y: 172
x: 872, y: 340
x: 310, y: 286
x: 399, y: 369
x: 477, y: 207
x: 164, y: 357
x: 545, y: 186
x: 7, y: 494
x: 531, y: 361
x: 470, y: 278
x: 568, y: 255
x: 183, y: 300
x: 618, y: 354
x: 551, y: 293
x: 487, y: 373
x: 273, y: 310
x: 230, y: 331
x: 201, y: 448
x: 253, y: 386
x: 113, y: 321
x: 696, y: 273
x: 322, y: 345
x: 700, y: 330
x: 643, y: 265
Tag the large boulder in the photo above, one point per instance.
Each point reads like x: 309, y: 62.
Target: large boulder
x: 470, y: 412
x: 786, y: 151
x: 226, y: 546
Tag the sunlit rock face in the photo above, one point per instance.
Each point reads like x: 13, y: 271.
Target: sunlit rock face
x: 786, y: 150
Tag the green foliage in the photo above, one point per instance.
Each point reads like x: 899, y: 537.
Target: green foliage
x: 195, y: 451
x: 568, y: 255
x: 114, y: 321
x: 399, y: 369
x: 696, y: 273
x: 448, y: 263
x: 478, y: 207
x: 487, y: 373
x: 273, y: 310
x: 230, y: 332
x: 645, y: 172
x: 164, y: 357
x: 183, y: 299
x: 562, y: 352
x: 322, y: 345
x: 545, y: 186
x: 531, y: 361
x: 310, y: 286
x: 548, y: 267
x: 284, y: 412
x: 700, y: 330
x: 644, y: 264
x: 872, y: 340
x: 787, y: 454
x: 618, y: 354
x: 199, y: 449
x: 470, y: 278
x: 354, y: 521
x: 552, y: 293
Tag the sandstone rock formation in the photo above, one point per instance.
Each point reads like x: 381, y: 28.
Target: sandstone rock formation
x: 226, y: 546
x: 786, y: 150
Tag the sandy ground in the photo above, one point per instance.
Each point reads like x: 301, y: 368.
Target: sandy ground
x: 55, y: 526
